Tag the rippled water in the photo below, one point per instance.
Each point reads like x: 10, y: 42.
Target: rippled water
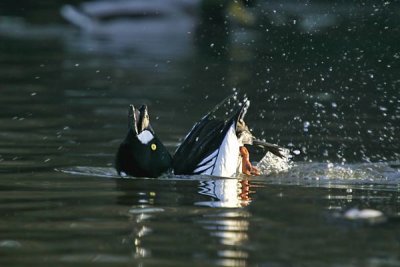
x: 323, y: 85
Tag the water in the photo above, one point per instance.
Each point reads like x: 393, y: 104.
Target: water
x: 325, y: 86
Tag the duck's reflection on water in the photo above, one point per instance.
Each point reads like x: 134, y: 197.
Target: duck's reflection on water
x: 227, y: 193
x: 229, y: 226
x: 220, y: 214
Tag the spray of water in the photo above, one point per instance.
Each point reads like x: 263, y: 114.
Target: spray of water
x: 271, y: 164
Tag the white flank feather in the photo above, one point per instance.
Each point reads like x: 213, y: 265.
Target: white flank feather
x: 228, y: 156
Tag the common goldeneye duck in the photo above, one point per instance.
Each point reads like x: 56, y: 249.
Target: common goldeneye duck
x: 141, y: 154
x: 216, y: 145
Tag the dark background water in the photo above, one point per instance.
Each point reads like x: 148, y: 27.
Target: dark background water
x: 322, y: 76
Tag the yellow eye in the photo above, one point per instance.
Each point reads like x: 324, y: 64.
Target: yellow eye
x: 153, y: 147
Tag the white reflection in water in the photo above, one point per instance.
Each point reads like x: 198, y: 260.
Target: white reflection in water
x: 140, y: 215
x: 232, y: 230
x: 227, y: 193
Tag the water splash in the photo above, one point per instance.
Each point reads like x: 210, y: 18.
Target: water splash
x: 271, y: 164
x: 380, y: 172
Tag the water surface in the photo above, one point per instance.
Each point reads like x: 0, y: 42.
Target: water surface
x: 323, y: 79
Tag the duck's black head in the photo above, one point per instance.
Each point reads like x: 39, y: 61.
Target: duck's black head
x: 141, y: 154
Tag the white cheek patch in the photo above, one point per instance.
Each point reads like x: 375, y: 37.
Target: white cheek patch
x: 145, y: 137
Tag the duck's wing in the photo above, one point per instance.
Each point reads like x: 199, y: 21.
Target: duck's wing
x: 199, y: 150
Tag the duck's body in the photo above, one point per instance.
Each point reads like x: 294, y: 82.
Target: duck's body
x: 214, y: 146
x: 141, y: 154
x: 211, y: 148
